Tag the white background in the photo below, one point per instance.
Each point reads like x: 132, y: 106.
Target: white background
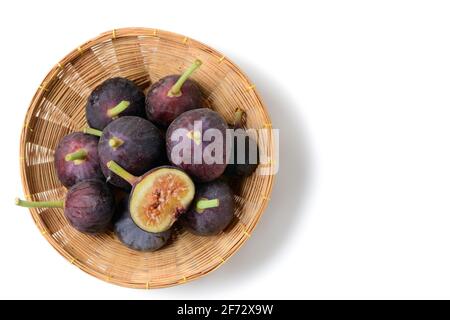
x: 360, y: 90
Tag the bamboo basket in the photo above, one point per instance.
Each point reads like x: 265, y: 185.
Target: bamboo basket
x: 142, y: 55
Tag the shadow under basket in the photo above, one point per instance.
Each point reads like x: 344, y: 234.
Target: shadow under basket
x: 58, y: 108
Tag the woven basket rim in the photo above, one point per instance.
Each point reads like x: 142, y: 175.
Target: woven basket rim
x: 37, y: 97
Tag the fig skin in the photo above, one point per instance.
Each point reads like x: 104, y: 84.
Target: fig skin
x: 163, y: 109
x: 134, y: 237
x: 246, y: 168
x: 210, y: 221
x: 142, y: 147
x: 72, y: 172
x: 89, y: 206
x: 242, y: 169
x: 210, y: 120
x: 108, y: 95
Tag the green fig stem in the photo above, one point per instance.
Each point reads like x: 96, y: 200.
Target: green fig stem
x: 115, y: 142
x: 80, y: 154
x: 238, y: 118
x: 114, y: 112
x: 40, y: 204
x: 121, y: 172
x: 92, y: 131
x: 175, y: 91
x: 204, y: 204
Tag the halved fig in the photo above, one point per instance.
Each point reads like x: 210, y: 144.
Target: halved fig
x: 157, y: 198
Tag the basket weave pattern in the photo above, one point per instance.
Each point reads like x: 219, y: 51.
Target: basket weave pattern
x: 57, y: 108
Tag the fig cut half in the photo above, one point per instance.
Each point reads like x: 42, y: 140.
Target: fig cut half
x: 158, y: 197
